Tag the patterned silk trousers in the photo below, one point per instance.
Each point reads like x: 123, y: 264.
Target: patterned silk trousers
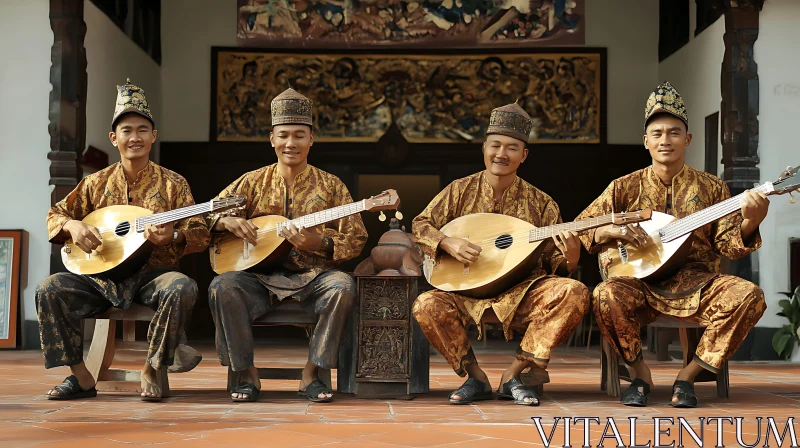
x: 729, y: 308
x: 551, y: 309
x: 63, y: 299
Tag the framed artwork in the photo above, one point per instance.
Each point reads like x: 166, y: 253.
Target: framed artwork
x: 435, y: 96
x: 10, y: 270
x: 409, y: 23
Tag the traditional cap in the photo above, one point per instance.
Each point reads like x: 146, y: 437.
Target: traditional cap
x: 130, y: 98
x: 291, y: 107
x: 510, y: 120
x: 665, y: 99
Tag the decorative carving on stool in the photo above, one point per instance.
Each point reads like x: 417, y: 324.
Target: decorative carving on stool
x: 392, y: 358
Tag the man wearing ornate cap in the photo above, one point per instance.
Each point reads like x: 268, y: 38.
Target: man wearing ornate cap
x: 63, y: 299
x: 727, y: 306
x: 290, y: 188
x: 545, y: 308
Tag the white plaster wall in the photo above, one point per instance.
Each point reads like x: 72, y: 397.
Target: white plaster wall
x: 24, y: 103
x: 779, y: 80
x: 629, y: 29
x: 694, y: 71
x: 189, y: 28
x: 111, y: 58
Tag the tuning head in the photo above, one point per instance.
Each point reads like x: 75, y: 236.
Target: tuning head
x: 222, y: 204
x: 388, y: 200
x: 788, y: 181
x: 631, y: 217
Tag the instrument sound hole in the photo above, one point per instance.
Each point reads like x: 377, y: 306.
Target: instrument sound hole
x: 123, y: 228
x: 503, y: 241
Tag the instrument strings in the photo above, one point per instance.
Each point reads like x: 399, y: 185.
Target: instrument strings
x: 543, y: 233
x: 318, y: 218
x: 159, y: 218
x: 688, y: 224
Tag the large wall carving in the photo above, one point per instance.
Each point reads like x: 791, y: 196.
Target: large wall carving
x: 444, y: 23
x: 431, y: 97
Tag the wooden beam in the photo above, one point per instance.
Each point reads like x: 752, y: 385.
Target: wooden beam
x: 67, y: 115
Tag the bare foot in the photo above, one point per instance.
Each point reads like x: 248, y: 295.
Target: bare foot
x: 308, y: 377
x: 248, y: 376
x: 85, y: 379
x: 150, y: 386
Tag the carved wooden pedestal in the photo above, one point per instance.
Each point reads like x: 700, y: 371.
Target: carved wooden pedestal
x: 392, y: 356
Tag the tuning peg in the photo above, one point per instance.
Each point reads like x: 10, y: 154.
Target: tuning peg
x: 381, y: 217
x: 398, y: 215
x: 792, y: 199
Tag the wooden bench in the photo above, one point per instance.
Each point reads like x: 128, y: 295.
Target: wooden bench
x: 690, y: 333
x: 103, y: 347
x: 292, y: 312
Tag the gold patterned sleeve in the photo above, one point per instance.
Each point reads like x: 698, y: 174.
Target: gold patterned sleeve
x: 194, y: 229
x: 242, y: 186
x: 348, y: 234
x: 727, y: 233
x: 439, y: 212
x: 76, y: 205
x: 603, y: 205
x: 552, y: 257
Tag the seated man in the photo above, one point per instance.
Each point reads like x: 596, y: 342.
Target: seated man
x: 290, y: 188
x: 63, y: 299
x: 727, y: 306
x: 545, y: 307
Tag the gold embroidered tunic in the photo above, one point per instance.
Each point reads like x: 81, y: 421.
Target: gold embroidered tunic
x: 155, y: 188
x: 313, y: 190
x: 691, y: 191
x: 474, y: 194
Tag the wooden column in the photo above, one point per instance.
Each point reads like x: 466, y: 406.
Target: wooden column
x: 67, y: 102
x: 739, y: 108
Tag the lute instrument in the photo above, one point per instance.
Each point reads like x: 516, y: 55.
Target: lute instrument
x: 230, y: 253
x: 510, y: 248
x: 669, y: 239
x: 124, y: 248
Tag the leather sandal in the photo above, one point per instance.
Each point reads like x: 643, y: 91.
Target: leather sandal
x: 70, y: 389
x: 633, y: 396
x: 313, y: 390
x: 518, y: 391
x: 247, y: 389
x: 684, y: 390
x: 472, y: 390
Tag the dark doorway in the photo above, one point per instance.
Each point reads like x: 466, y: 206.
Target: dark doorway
x: 712, y: 144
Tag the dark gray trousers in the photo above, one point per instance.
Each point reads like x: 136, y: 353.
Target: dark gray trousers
x: 237, y: 299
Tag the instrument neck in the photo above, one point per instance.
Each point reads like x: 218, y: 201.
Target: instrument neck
x: 325, y: 216
x: 173, y: 215
x: 688, y: 224
x: 543, y: 233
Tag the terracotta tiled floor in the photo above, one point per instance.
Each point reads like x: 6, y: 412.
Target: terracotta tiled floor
x: 200, y: 415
